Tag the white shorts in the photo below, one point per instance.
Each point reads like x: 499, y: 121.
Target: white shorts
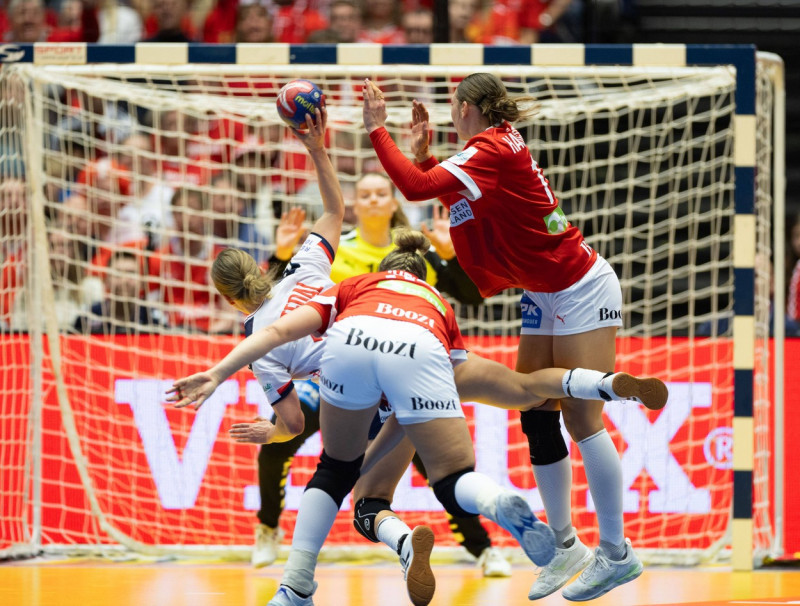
x: 594, y: 301
x: 365, y: 357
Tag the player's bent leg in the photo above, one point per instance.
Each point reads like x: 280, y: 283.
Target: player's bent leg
x: 445, y: 445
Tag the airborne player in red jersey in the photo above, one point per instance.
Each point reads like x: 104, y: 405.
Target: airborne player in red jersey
x: 509, y: 232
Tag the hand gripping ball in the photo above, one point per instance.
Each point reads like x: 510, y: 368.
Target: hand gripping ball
x: 298, y: 98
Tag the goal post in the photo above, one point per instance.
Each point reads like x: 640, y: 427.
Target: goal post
x: 668, y: 157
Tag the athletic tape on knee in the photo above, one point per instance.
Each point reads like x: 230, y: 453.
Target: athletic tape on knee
x: 445, y: 491
x: 545, y: 442
x: 335, y: 477
x: 364, y: 514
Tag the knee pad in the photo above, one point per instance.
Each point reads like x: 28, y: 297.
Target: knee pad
x: 335, y: 477
x: 545, y: 442
x: 445, y: 491
x: 364, y: 514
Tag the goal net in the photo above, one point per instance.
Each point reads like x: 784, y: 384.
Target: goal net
x: 106, y: 298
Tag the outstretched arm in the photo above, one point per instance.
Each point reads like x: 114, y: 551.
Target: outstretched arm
x: 197, y: 388
x: 329, y: 225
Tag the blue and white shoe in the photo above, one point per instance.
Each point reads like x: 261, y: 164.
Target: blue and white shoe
x: 536, y: 538
x: 286, y: 596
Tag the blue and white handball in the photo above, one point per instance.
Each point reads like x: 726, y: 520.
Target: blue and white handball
x: 298, y: 98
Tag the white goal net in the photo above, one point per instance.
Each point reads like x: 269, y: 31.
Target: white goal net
x: 642, y: 159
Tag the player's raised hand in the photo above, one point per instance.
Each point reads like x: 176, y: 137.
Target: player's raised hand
x: 259, y: 431
x: 420, y: 133
x: 313, y: 135
x: 374, y: 106
x: 194, y: 389
x: 288, y: 233
x: 440, y: 234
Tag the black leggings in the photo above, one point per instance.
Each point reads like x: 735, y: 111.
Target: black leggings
x: 274, y: 461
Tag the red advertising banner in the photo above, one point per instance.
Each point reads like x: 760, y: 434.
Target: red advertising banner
x: 166, y: 476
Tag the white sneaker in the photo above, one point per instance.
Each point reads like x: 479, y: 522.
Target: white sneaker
x: 651, y: 392
x: 602, y: 575
x: 415, y: 557
x: 567, y: 562
x: 285, y: 596
x: 493, y: 564
x: 265, y: 550
x: 536, y: 538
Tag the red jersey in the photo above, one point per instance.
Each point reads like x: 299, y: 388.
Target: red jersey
x: 393, y: 295
x: 507, y: 228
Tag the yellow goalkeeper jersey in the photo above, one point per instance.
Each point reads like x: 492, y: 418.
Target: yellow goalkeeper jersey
x: 355, y: 257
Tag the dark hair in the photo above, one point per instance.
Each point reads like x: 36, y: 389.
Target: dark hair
x: 408, y: 256
x: 488, y: 93
x: 237, y: 275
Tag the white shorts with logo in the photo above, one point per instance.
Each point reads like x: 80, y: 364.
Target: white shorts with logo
x: 594, y: 301
x: 365, y: 357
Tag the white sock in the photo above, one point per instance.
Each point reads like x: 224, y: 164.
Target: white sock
x: 604, y: 474
x: 391, y: 530
x: 477, y: 493
x: 586, y: 384
x: 315, y: 519
x: 555, y: 486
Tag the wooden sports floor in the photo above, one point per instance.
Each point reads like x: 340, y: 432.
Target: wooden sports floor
x: 83, y: 582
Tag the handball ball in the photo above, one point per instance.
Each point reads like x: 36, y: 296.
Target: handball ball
x: 298, y: 98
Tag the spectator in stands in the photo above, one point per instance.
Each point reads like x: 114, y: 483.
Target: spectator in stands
x: 28, y: 23
x: 345, y: 20
x: 73, y: 290
x: 119, y: 23
x: 253, y: 23
x: 233, y: 219
x: 294, y: 22
x: 122, y: 309
x: 151, y: 197
x: 182, y: 269
x: 418, y: 26
x: 112, y: 217
x: 380, y: 22
x: 461, y: 13
x: 170, y: 17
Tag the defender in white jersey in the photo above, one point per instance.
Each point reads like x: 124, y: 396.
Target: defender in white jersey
x: 238, y: 278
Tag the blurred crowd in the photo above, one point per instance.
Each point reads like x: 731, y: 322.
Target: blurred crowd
x: 289, y: 21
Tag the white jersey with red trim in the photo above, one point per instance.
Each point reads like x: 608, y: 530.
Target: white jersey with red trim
x: 506, y: 224
x: 307, y: 274
x: 393, y: 295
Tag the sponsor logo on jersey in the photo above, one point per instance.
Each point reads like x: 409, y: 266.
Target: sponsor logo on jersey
x: 460, y: 211
x: 407, y: 288
x: 556, y: 221
x: 606, y: 314
x: 463, y: 156
x: 387, y: 346
x: 531, y: 313
x: 418, y: 403
x: 332, y: 385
